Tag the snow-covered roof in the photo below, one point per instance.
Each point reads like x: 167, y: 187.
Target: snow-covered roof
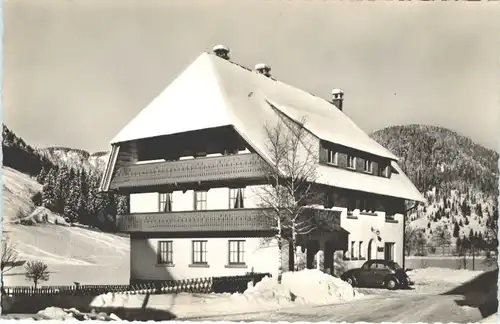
x: 213, y: 92
x: 398, y: 185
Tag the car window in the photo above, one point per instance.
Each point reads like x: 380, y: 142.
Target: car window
x: 366, y: 265
x: 374, y: 265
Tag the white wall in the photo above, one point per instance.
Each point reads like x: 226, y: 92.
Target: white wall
x: 217, y: 198
x: 143, y: 252
x: 259, y: 255
x: 360, y: 231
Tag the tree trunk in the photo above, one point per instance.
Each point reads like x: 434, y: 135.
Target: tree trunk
x: 280, y: 258
x: 35, y: 282
x: 294, y: 248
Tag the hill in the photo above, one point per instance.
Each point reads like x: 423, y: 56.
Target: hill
x: 18, y: 190
x: 76, y: 158
x: 71, y: 252
x: 458, y: 177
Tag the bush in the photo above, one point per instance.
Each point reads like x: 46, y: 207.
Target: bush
x: 37, y: 199
x: 27, y: 222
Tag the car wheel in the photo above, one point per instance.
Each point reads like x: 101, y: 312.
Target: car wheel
x: 391, y: 284
x: 350, y: 280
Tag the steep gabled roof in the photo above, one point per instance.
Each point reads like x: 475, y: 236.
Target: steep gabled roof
x: 214, y: 92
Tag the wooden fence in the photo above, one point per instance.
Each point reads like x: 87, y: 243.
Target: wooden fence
x: 197, y: 285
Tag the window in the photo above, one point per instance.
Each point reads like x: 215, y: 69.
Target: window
x: 361, y: 253
x: 165, y: 202
x: 382, y: 171
x: 368, y: 166
x: 237, y: 252
x: 199, y: 252
x: 351, y: 162
x: 234, y: 200
x: 165, y: 252
x: 353, y: 243
x: 332, y: 157
x: 389, y: 251
x: 200, y: 200
x: 351, y: 204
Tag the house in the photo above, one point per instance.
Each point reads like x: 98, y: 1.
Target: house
x: 194, y: 159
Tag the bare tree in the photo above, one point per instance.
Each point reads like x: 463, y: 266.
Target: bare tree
x: 441, y: 237
x: 414, y: 240
x: 10, y: 257
x: 292, y: 174
x: 36, y: 271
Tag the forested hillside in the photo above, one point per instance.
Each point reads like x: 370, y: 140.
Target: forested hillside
x: 458, y: 178
x: 70, y: 180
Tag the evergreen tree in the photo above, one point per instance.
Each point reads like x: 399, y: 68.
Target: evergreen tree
x: 479, y: 210
x: 61, y: 188
x: 456, y: 230
x: 460, y: 223
x: 48, y: 191
x: 42, y: 175
x: 122, y: 204
x: 71, y: 206
x: 466, y: 220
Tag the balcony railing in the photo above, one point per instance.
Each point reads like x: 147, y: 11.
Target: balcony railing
x: 197, y: 221
x: 229, y: 220
x: 238, y: 166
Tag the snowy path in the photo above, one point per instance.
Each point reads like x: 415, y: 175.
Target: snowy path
x: 416, y: 308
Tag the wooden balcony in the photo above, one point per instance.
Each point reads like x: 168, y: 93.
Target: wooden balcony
x: 228, y: 220
x: 208, y: 169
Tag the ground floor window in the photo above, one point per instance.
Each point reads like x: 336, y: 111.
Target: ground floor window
x: 353, y: 250
x: 165, y: 252
x: 199, y: 252
x: 236, y: 252
x: 361, y: 253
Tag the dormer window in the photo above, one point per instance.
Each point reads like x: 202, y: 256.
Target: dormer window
x: 368, y: 166
x: 333, y: 157
x: 351, y: 162
x: 382, y: 171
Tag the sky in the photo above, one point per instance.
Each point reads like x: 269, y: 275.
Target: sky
x: 76, y: 71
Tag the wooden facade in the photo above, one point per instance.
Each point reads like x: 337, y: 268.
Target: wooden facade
x: 134, y: 178
x: 228, y: 220
x: 379, y: 166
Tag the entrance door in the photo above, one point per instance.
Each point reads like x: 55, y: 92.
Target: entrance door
x: 311, y: 250
x: 389, y: 251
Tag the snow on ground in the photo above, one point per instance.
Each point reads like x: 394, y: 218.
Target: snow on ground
x: 72, y: 253
x: 18, y: 189
x: 441, y: 276
x: 307, y: 287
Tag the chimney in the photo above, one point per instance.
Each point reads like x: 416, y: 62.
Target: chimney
x: 338, y: 98
x: 221, y: 51
x: 264, y: 69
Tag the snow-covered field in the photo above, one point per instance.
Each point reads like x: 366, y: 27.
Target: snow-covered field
x: 18, y: 189
x: 72, y: 254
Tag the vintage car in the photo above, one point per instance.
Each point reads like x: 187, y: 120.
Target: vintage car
x: 378, y: 273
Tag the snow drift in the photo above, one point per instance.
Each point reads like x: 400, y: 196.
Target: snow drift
x: 311, y: 287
